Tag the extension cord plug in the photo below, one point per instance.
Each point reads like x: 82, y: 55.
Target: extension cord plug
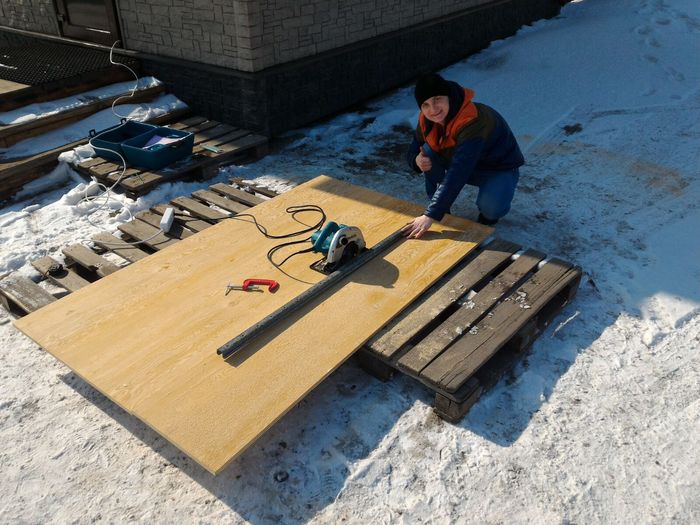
x: 166, y: 221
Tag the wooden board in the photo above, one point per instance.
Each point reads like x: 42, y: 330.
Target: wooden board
x: 14, y: 133
x: 146, y: 336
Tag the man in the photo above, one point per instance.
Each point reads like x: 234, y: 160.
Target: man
x: 460, y: 142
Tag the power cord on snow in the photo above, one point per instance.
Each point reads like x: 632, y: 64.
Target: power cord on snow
x: 106, y: 191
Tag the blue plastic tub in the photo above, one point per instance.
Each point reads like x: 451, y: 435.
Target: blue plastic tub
x: 111, y: 139
x: 158, y: 148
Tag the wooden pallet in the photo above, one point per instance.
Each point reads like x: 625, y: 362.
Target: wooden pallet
x: 14, y: 133
x: 215, y: 144
x: 462, y: 333
x: 16, y: 95
x: 15, y: 174
x: 86, y: 264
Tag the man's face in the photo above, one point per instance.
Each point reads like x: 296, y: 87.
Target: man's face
x: 436, y: 108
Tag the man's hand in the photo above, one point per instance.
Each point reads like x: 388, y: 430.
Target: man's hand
x: 417, y: 227
x: 423, y: 162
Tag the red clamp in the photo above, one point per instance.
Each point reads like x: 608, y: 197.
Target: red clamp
x: 250, y: 285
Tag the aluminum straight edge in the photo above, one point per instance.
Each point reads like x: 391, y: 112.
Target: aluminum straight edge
x: 292, y: 306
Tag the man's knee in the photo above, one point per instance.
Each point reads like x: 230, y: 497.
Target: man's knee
x: 494, y: 208
x: 496, y: 196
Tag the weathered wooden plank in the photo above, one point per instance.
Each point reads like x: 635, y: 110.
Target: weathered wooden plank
x: 238, y: 181
x: 191, y: 223
x: 12, y: 134
x: 242, y: 144
x: 198, y: 209
x: 23, y: 293
x: 425, y: 315
x: 218, y: 130
x: 89, y: 260
x: 63, y: 87
x: 177, y: 230
x: 209, y: 197
x: 460, y: 361
x: 203, y: 126
x: 461, y: 321
x: 235, y: 194
x: 91, y: 162
x: 148, y: 235
x: 223, y: 139
x: 59, y: 274
x: 188, y: 122
x: 131, y: 253
x: 453, y: 410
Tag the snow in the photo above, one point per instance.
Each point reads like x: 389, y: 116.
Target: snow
x: 52, y: 107
x: 599, y: 422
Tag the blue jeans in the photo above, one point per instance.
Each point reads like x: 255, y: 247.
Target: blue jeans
x: 496, y: 188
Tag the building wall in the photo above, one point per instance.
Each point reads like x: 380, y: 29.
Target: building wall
x: 287, y: 30
x: 30, y: 15
x: 207, y: 31
x: 252, y: 35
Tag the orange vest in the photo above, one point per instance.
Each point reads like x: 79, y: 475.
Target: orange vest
x: 440, y: 138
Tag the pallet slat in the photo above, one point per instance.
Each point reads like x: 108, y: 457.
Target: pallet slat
x: 116, y: 245
x: 238, y: 181
x: 177, y: 230
x: 147, y: 234
x: 89, y: 260
x: 58, y: 274
x: 235, y: 194
x: 23, y: 293
x: 209, y: 197
x: 198, y: 209
x: 415, y: 321
x: 454, y: 366
x: 461, y: 321
x: 188, y: 221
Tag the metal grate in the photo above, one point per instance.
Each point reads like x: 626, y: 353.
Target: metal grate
x: 42, y: 63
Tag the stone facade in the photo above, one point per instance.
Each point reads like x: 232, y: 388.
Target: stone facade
x: 252, y: 35
x: 287, y: 30
x: 30, y: 15
x: 206, y: 31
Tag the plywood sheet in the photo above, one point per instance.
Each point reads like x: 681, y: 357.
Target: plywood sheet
x: 146, y: 336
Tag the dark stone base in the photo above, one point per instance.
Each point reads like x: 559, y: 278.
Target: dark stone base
x: 297, y: 93
x: 8, y: 39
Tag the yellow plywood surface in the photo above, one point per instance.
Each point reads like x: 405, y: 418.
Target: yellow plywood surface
x: 146, y: 336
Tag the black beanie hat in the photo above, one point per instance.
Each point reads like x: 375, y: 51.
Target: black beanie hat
x: 431, y: 85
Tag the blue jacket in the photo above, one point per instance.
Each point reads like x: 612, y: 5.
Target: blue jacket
x: 485, y: 143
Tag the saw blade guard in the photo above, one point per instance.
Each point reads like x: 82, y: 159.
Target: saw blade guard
x: 345, y: 237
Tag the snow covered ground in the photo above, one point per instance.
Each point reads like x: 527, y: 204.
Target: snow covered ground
x: 599, y: 424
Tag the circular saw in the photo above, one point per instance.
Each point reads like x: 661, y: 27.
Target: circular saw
x: 338, y: 243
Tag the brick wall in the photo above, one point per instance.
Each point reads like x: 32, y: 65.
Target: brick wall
x: 31, y: 15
